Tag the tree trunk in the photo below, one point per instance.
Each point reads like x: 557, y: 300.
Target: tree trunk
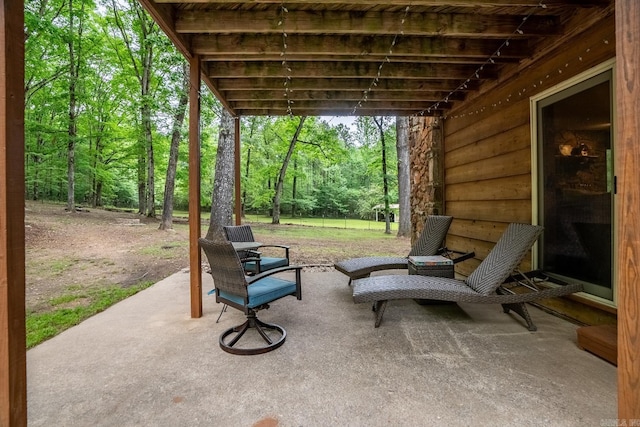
x: 94, y: 174
x: 99, y: 193
x: 150, y: 194
x: 169, y: 185
x: 142, y: 180
x: 143, y: 70
x: 222, y: 195
x: 150, y: 199
x: 72, y: 129
x: 385, y: 178
x: 96, y: 184
x: 283, y: 171
x: 404, y: 180
x: 96, y: 180
x: 246, y: 180
x: 294, y: 188
x: 37, y: 160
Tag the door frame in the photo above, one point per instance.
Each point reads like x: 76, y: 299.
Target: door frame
x: 609, y: 65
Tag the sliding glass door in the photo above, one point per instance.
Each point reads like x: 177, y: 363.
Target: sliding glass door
x: 576, y: 183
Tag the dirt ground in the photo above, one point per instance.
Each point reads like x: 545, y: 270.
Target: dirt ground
x: 93, y: 247
x: 70, y: 252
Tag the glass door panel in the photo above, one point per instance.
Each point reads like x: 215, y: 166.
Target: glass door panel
x: 576, y: 184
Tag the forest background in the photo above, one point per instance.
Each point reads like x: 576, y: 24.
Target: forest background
x: 106, y: 124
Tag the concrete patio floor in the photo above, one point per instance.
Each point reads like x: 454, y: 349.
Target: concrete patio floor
x: 145, y: 362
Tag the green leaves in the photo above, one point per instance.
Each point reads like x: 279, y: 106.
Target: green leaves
x: 330, y: 175
x: 334, y: 170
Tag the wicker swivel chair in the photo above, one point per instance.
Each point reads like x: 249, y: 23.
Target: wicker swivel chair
x: 243, y: 233
x: 248, y: 294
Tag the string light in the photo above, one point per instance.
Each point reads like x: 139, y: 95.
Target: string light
x: 489, y: 60
x: 285, y: 63
x: 536, y: 84
x: 387, y: 59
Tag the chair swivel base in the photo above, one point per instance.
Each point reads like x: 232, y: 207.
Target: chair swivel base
x: 252, y: 323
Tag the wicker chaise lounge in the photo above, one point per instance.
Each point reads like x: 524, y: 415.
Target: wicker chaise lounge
x: 486, y: 285
x: 430, y: 242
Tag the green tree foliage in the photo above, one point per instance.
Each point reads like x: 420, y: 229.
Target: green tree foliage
x: 109, y: 124
x: 334, y: 171
x: 368, y: 136
x: 123, y: 133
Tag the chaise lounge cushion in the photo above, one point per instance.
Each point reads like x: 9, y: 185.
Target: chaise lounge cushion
x: 378, y: 288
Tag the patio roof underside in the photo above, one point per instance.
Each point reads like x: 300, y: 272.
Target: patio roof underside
x: 393, y: 58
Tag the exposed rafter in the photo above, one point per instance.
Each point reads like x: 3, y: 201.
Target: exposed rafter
x: 432, y: 3
x: 400, y: 57
x: 379, y: 23
x: 353, y: 70
x: 221, y: 47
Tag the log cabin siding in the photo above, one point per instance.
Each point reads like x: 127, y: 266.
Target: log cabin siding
x: 588, y: 47
x: 487, y: 143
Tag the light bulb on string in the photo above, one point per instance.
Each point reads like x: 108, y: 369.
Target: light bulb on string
x: 387, y: 59
x: 490, y: 59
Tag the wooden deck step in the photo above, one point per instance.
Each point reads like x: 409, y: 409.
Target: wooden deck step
x: 600, y: 340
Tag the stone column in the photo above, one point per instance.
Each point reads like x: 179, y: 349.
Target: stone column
x: 427, y: 170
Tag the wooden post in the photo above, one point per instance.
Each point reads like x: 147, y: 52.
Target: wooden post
x: 628, y: 208
x: 195, y: 255
x: 13, y: 371
x: 236, y: 168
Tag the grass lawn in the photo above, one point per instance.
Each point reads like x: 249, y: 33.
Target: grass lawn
x: 346, y: 223
x: 42, y: 326
x: 358, y: 224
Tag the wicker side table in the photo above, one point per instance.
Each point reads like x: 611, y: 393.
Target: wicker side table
x: 435, y: 265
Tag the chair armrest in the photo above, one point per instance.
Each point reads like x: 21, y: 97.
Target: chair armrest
x: 275, y: 246
x: 297, y: 268
x: 250, y: 258
x: 462, y: 255
x: 255, y: 259
x: 285, y: 247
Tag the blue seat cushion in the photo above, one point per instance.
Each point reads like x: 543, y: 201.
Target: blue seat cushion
x: 263, y: 291
x: 266, y: 263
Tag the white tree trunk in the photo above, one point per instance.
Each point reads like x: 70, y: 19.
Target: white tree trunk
x: 283, y: 171
x: 222, y: 197
x: 169, y: 185
x: 404, y: 180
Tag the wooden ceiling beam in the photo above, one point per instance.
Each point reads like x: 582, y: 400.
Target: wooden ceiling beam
x: 327, y: 95
x: 270, y: 45
x: 349, y: 22
x: 343, y: 105
x: 387, y: 112
x: 357, y: 85
x: 341, y: 58
x: 429, y: 3
x: 362, y: 70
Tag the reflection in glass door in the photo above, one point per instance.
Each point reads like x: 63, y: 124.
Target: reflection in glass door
x: 576, y: 184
